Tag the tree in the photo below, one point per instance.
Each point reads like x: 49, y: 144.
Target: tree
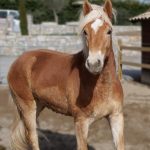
x: 23, y: 17
x: 56, y: 6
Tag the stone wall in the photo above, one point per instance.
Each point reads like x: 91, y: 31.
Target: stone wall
x: 7, y: 27
x: 49, y: 35
x: 15, y: 44
x: 53, y: 29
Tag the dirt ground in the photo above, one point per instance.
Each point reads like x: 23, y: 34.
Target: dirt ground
x: 59, y: 130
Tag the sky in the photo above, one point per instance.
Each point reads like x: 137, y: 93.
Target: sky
x: 146, y: 1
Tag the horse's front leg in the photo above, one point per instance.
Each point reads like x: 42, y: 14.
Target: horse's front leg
x: 117, y: 126
x: 81, y: 128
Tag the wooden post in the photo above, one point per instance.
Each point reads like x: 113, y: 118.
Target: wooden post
x: 120, y: 59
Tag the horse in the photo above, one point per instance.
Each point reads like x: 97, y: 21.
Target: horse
x: 83, y: 85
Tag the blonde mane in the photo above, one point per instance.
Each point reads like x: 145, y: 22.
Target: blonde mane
x: 97, y: 12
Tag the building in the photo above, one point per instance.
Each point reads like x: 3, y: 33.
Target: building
x: 144, y: 19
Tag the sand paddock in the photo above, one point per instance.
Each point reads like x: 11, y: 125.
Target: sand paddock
x: 59, y: 130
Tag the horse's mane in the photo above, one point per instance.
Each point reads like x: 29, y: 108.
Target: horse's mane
x: 97, y: 12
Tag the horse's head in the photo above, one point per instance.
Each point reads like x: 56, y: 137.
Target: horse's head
x: 96, y: 27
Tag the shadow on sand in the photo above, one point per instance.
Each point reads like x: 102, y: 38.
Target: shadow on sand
x: 56, y: 141
x: 133, y: 74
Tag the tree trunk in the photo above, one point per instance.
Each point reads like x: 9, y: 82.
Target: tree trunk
x: 23, y: 18
x: 55, y: 16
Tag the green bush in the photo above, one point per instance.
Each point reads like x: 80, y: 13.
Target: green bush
x: 125, y: 10
x: 8, y: 4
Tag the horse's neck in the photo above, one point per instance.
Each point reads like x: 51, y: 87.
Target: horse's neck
x: 109, y: 70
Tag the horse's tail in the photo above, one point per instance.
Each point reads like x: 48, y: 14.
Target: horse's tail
x: 18, y: 136
x: 18, y: 139
x: 19, y: 132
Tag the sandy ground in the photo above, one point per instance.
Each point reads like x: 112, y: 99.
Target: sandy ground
x: 59, y: 129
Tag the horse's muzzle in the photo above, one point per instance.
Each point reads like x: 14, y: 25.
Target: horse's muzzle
x: 94, y: 67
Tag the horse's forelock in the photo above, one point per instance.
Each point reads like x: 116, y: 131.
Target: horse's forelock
x: 97, y: 12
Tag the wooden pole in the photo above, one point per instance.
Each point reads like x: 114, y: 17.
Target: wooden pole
x: 120, y: 59
x: 23, y: 17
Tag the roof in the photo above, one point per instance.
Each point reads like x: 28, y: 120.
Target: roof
x: 141, y: 17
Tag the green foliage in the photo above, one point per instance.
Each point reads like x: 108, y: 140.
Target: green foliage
x: 42, y: 12
x: 128, y: 9
x: 39, y: 12
x: 23, y: 17
x: 70, y: 13
x: 55, y: 6
x: 7, y: 4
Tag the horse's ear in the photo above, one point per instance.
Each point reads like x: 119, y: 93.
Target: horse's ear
x: 108, y: 8
x: 86, y: 7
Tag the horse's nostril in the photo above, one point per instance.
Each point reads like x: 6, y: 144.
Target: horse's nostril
x: 88, y: 64
x: 98, y: 62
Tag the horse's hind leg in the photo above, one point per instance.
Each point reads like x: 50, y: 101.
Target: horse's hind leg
x: 27, y: 110
x: 29, y: 119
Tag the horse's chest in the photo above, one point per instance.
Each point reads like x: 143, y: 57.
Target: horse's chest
x: 100, y: 109
x: 96, y: 102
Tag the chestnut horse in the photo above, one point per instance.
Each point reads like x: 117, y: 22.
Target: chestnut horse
x: 84, y: 85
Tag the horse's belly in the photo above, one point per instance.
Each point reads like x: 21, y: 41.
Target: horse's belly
x: 54, y: 99
x: 58, y: 105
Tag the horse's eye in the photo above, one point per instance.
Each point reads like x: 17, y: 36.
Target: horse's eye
x: 109, y: 32
x: 85, y: 33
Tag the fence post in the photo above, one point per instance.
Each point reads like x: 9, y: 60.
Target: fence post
x: 120, y: 59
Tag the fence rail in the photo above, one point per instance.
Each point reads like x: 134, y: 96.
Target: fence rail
x: 139, y: 49
x: 145, y: 66
x: 130, y: 48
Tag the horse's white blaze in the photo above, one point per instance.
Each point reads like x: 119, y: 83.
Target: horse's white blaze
x: 97, y: 24
x: 94, y: 56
